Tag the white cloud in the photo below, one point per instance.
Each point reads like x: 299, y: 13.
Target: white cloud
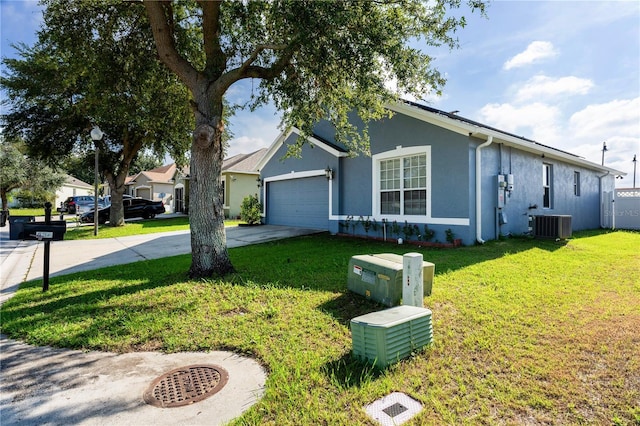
x: 535, y: 121
x: 253, y: 130
x: 535, y: 52
x: 617, y: 123
x: 246, y: 145
x: 620, y: 117
x: 546, y: 87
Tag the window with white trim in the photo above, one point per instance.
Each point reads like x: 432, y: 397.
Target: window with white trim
x: 546, y: 185
x: 576, y: 183
x: 403, y: 185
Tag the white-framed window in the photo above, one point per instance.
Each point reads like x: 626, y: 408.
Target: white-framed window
x: 576, y: 184
x: 547, y: 176
x: 401, y: 182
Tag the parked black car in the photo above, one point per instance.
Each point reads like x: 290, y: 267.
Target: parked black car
x: 133, y: 207
x: 107, y: 199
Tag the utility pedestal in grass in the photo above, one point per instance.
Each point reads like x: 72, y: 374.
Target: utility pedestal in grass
x: 388, y: 336
x: 412, y: 285
x: 379, y: 277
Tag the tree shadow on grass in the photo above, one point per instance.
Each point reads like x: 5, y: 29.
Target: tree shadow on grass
x: 34, y: 309
x: 348, y: 306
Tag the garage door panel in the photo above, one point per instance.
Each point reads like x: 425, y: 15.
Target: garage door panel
x: 299, y: 202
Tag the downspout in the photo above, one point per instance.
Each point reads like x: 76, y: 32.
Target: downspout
x: 479, y: 189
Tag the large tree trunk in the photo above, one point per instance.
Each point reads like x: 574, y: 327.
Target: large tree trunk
x: 116, y: 212
x: 209, y: 255
x: 116, y: 184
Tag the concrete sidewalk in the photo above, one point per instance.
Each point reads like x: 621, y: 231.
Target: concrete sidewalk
x: 82, y: 255
x: 42, y: 385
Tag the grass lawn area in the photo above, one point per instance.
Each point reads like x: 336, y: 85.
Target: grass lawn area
x: 30, y: 212
x: 84, y: 231
x: 148, y: 226
x: 525, y: 331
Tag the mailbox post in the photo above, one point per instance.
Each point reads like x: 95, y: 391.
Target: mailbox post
x: 47, y: 232
x: 47, y: 248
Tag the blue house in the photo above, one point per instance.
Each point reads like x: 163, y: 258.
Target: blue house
x: 429, y: 167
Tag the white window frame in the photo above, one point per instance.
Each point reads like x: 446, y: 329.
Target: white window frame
x: 547, y: 185
x: 400, y: 153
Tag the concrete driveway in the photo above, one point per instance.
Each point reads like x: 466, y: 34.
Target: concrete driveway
x: 24, y: 260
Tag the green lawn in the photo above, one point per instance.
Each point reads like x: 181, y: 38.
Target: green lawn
x: 525, y: 331
x: 84, y: 231
x: 30, y: 212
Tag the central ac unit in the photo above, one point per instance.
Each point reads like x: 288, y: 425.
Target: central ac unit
x: 556, y: 226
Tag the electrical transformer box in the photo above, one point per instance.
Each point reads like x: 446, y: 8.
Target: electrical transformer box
x: 387, y: 336
x: 379, y: 277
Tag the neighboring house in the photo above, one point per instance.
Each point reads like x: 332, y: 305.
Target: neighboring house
x: 240, y: 178
x: 71, y: 187
x: 430, y: 167
x: 170, y: 184
x: 157, y: 184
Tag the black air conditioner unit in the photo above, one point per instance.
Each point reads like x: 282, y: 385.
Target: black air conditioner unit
x: 557, y: 226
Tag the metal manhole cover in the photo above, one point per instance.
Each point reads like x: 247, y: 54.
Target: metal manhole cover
x: 186, y: 385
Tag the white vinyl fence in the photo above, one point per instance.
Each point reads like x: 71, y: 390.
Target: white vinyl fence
x: 625, y: 211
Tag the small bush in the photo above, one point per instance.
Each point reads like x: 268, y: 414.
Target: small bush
x: 251, y: 209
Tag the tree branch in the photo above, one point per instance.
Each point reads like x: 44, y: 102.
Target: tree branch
x: 159, y: 12
x: 246, y: 70
x: 215, y: 57
x: 254, y: 55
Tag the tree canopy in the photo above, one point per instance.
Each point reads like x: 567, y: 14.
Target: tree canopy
x: 314, y: 59
x: 95, y: 64
x: 18, y: 171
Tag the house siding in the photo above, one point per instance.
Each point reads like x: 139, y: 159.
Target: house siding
x: 312, y: 159
x: 528, y: 192
x: 451, y: 151
x: 237, y: 187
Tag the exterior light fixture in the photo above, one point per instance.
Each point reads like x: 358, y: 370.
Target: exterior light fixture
x: 328, y: 172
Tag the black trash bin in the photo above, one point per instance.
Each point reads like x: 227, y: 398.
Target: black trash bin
x: 4, y: 215
x: 16, y: 226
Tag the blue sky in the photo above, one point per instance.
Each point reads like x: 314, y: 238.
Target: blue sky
x: 566, y: 74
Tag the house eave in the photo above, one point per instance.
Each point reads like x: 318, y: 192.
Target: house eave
x: 241, y: 172
x: 282, y: 137
x: 479, y: 131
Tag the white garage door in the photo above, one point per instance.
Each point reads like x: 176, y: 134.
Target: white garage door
x: 299, y: 202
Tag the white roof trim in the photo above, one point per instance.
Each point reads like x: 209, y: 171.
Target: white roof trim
x: 240, y: 172
x: 483, y: 133
x: 279, y: 141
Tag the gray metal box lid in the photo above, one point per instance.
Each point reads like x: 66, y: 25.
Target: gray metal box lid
x: 391, y: 317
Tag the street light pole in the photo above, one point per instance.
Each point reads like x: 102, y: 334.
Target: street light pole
x: 634, y: 171
x: 96, y: 135
x: 604, y: 148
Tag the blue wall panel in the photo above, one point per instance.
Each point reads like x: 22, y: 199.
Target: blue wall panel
x: 452, y: 179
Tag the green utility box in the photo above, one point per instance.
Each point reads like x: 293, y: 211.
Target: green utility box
x: 379, y: 277
x: 388, y: 336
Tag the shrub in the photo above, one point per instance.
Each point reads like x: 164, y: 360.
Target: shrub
x: 251, y: 209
